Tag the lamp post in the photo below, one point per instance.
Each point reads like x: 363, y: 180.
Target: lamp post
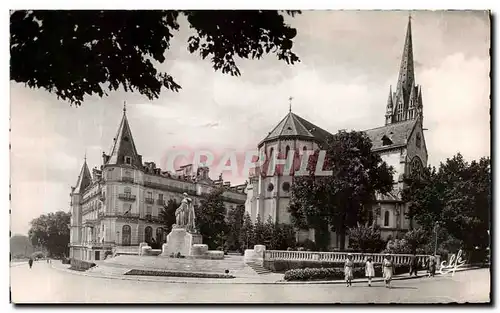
x: 436, y: 233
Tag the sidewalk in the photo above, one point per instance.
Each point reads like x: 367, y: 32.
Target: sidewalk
x: 257, y: 280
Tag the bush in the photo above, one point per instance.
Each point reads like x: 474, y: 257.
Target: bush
x: 337, y: 273
x: 398, y: 246
x: 281, y: 266
x: 176, y: 274
x: 364, y: 238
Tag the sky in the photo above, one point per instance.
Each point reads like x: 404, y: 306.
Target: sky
x: 348, y: 61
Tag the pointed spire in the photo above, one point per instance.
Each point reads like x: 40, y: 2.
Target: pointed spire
x: 124, y: 107
x: 390, y: 103
x: 84, y: 179
x: 406, y: 76
x: 123, y: 150
x: 290, y: 108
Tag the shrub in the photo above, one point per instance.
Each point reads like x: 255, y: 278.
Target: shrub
x: 176, y: 274
x: 281, y: 266
x: 398, y: 246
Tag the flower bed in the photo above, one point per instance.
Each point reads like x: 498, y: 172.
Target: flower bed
x: 176, y: 274
x: 336, y: 273
x: 281, y: 266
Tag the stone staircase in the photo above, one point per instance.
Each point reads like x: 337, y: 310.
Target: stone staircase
x: 259, y: 269
x: 108, y: 270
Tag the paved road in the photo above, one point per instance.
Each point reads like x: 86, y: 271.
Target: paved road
x: 43, y: 284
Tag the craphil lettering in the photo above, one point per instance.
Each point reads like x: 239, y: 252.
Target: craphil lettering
x: 455, y: 263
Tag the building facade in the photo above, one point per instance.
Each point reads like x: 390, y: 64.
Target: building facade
x: 119, y: 204
x: 400, y: 143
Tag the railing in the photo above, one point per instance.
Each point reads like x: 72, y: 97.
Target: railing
x: 126, y: 197
x: 90, y: 221
x: 95, y: 243
x: 118, y: 214
x: 127, y: 179
x: 150, y: 200
x: 154, y: 219
x: 160, y: 202
x: 273, y: 255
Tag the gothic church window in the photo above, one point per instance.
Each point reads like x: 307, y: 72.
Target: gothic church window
x: 418, y: 141
x: 416, y: 166
x: 286, y: 151
x: 386, y: 218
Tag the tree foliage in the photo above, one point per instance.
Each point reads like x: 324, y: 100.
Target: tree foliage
x: 51, y: 232
x: 85, y: 52
x: 343, y: 199
x: 417, y: 239
x: 247, y: 240
x: 365, y: 238
x: 167, y: 214
x: 235, y: 218
x: 211, y: 219
x: 457, y: 196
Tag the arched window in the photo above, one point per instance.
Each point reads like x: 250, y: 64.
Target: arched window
x: 386, y: 218
x: 159, y: 235
x: 271, y: 152
x: 416, y: 166
x: 287, y: 149
x: 126, y: 235
x: 418, y: 141
x: 148, y: 234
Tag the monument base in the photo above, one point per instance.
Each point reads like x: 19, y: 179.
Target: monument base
x: 179, y: 241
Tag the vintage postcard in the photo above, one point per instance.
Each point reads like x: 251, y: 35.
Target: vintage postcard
x: 244, y: 156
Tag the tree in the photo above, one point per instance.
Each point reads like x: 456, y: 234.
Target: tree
x: 51, y: 232
x: 211, y: 219
x: 247, y: 233
x: 258, y: 231
x: 167, y: 214
x: 75, y: 53
x: 417, y: 239
x: 235, y: 218
x: 345, y: 198
x: 456, y: 197
x: 365, y: 238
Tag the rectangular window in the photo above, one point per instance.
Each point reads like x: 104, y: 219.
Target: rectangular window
x: 128, y: 160
x: 160, y: 196
x: 150, y: 195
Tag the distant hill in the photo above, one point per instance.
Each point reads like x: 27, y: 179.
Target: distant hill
x: 20, y: 246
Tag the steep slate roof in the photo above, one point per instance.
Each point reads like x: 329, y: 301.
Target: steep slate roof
x: 124, y: 145
x: 84, y: 179
x: 295, y: 126
x: 398, y: 133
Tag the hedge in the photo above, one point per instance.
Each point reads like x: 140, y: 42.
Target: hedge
x: 80, y: 265
x: 337, y: 273
x: 176, y: 274
x: 281, y: 266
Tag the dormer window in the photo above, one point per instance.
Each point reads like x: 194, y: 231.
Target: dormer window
x: 128, y: 160
x: 386, y: 141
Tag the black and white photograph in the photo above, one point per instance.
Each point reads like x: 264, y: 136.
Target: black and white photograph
x: 250, y: 156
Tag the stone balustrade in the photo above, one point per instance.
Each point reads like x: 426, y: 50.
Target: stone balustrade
x: 272, y: 255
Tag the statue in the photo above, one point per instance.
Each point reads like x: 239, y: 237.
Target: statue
x: 185, y: 215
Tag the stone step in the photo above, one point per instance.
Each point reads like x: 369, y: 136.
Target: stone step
x: 259, y: 269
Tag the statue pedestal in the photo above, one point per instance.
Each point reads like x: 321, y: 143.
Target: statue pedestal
x: 180, y: 241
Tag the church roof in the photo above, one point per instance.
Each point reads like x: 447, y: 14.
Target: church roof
x: 293, y: 125
x: 124, y: 146
x: 397, y: 133
x: 84, y: 179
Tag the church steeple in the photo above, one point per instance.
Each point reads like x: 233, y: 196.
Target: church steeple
x: 405, y: 88
x: 390, y: 107
x: 124, y: 151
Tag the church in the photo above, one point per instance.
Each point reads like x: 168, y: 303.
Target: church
x: 400, y: 143
x: 118, y: 206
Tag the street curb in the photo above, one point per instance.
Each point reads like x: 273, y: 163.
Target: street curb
x: 224, y: 281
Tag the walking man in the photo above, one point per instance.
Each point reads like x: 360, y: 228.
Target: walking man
x: 414, y: 264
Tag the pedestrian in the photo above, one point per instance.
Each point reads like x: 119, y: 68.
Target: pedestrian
x: 348, y: 270
x: 414, y: 264
x: 432, y: 266
x: 30, y: 262
x: 369, y: 270
x: 388, y: 269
